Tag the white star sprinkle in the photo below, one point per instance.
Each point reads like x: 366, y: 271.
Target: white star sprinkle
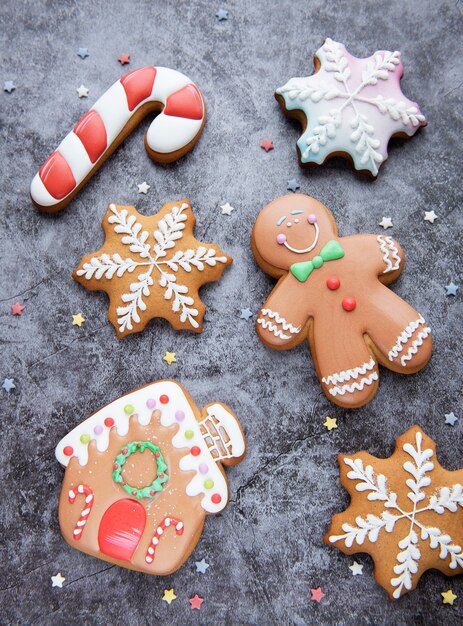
x: 143, y: 187
x: 430, y: 216
x: 82, y: 91
x: 386, y: 222
x: 57, y: 581
x: 356, y: 569
x: 227, y: 208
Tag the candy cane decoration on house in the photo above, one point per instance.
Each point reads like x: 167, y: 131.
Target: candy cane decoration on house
x: 166, y: 522
x: 73, y: 493
x: 98, y: 133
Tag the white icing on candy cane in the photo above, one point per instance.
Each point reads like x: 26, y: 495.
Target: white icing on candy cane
x: 169, y: 398
x: 179, y: 124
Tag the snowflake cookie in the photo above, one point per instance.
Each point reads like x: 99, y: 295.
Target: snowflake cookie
x: 152, y: 267
x: 350, y: 107
x: 406, y: 512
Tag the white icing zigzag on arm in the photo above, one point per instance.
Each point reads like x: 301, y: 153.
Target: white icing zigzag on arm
x: 272, y: 328
x: 405, y: 337
x: 354, y: 373
x: 388, y: 249
x: 281, y: 324
x: 281, y: 320
x: 417, y: 343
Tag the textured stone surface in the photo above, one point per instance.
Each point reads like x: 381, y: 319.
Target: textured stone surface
x: 266, y: 549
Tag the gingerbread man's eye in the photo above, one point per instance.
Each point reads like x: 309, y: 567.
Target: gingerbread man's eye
x: 311, y: 218
x: 281, y: 238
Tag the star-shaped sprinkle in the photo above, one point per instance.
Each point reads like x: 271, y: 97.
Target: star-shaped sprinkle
x: 143, y: 187
x: 169, y: 596
x: 451, y: 418
x: 83, y: 53
x: 196, y: 602
x: 82, y: 91
x: 17, y: 308
x: 430, y: 216
x: 451, y: 289
x: 330, y: 423
x: 9, y: 86
x: 246, y: 314
x: 124, y: 59
x: 356, y: 569
x: 386, y: 222
x: 293, y: 185
x: 8, y: 384
x: 222, y: 15
x: 57, y: 580
x: 448, y: 597
x: 169, y: 358
x: 267, y: 145
x: 201, y: 566
x: 78, y: 320
x: 317, y: 594
x: 227, y: 208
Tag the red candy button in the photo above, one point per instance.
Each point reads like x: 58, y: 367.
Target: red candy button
x: 349, y: 304
x: 333, y: 283
x: 164, y: 399
x: 109, y: 422
x: 68, y: 450
x: 195, y: 451
x: 216, y: 498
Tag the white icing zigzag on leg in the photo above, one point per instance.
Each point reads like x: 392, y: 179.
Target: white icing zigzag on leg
x: 388, y: 249
x: 274, y: 328
x: 345, y: 375
x: 405, y: 337
x: 413, y: 349
x: 356, y: 386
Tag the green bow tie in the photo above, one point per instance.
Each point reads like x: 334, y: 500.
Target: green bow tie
x: 330, y: 252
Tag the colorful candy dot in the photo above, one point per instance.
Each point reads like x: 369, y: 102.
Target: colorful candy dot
x: 179, y: 416
x: 311, y: 218
x: 152, y: 492
x: 98, y: 429
x: 164, y: 399
x: 203, y: 469
x: 195, y: 451
x: 157, y: 454
x: 129, y: 409
x: 208, y: 484
x: 281, y: 238
x: 68, y: 450
x: 333, y: 283
x: 151, y: 403
x: 349, y: 304
x: 115, y: 466
x: 216, y: 498
x: 109, y: 422
x: 161, y: 475
x: 85, y: 438
x: 134, y: 493
x: 189, y: 434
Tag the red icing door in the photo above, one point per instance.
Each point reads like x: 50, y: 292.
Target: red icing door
x: 121, y: 529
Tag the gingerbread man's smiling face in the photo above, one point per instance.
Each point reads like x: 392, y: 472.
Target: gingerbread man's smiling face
x: 291, y: 229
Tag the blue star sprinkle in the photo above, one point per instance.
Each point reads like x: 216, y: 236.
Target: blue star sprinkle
x: 8, y: 384
x: 83, y: 53
x: 9, y: 86
x: 201, y: 566
x: 222, y: 15
x: 246, y: 314
x: 293, y: 185
x: 451, y: 418
x: 451, y: 289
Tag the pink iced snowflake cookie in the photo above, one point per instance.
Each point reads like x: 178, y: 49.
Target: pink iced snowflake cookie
x: 350, y: 107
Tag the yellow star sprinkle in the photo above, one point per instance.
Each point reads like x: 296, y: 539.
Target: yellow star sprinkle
x: 169, y: 358
x: 330, y: 423
x: 448, y: 597
x: 169, y: 595
x: 78, y: 320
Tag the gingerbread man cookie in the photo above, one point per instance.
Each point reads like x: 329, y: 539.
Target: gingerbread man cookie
x: 332, y: 290
x: 94, y: 138
x: 152, y: 267
x: 406, y: 512
x: 142, y: 474
x: 350, y: 107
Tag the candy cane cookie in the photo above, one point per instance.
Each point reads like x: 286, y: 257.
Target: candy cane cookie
x: 98, y: 133
x: 88, y: 493
x: 166, y: 523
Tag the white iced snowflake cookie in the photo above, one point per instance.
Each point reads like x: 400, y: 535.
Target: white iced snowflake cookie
x: 406, y: 512
x: 152, y: 267
x: 350, y: 107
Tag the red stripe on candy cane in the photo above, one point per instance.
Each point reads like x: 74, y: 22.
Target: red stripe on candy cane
x: 186, y: 102
x: 138, y: 85
x: 57, y: 176
x: 73, y: 493
x: 92, y: 132
x: 166, y: 523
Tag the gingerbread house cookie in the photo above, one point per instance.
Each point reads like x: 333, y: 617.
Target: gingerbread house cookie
x: 141, y: 475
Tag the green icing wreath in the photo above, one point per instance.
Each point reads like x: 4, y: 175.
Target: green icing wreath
x: 161, y: 467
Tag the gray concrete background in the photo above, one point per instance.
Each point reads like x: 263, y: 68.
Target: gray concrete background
x: 266, y: 549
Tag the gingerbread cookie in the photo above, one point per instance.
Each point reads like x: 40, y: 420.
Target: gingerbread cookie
x: 83, y: 151
x: 142, y: 474
x: 406, y: 512
x: 332, y: 291
x: 152, y: 267
x: 350, y: 107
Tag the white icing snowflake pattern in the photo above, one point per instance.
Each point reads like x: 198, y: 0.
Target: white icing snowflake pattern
x: 160, y: 257
x: 442, y: 501
x: 353, y: 106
